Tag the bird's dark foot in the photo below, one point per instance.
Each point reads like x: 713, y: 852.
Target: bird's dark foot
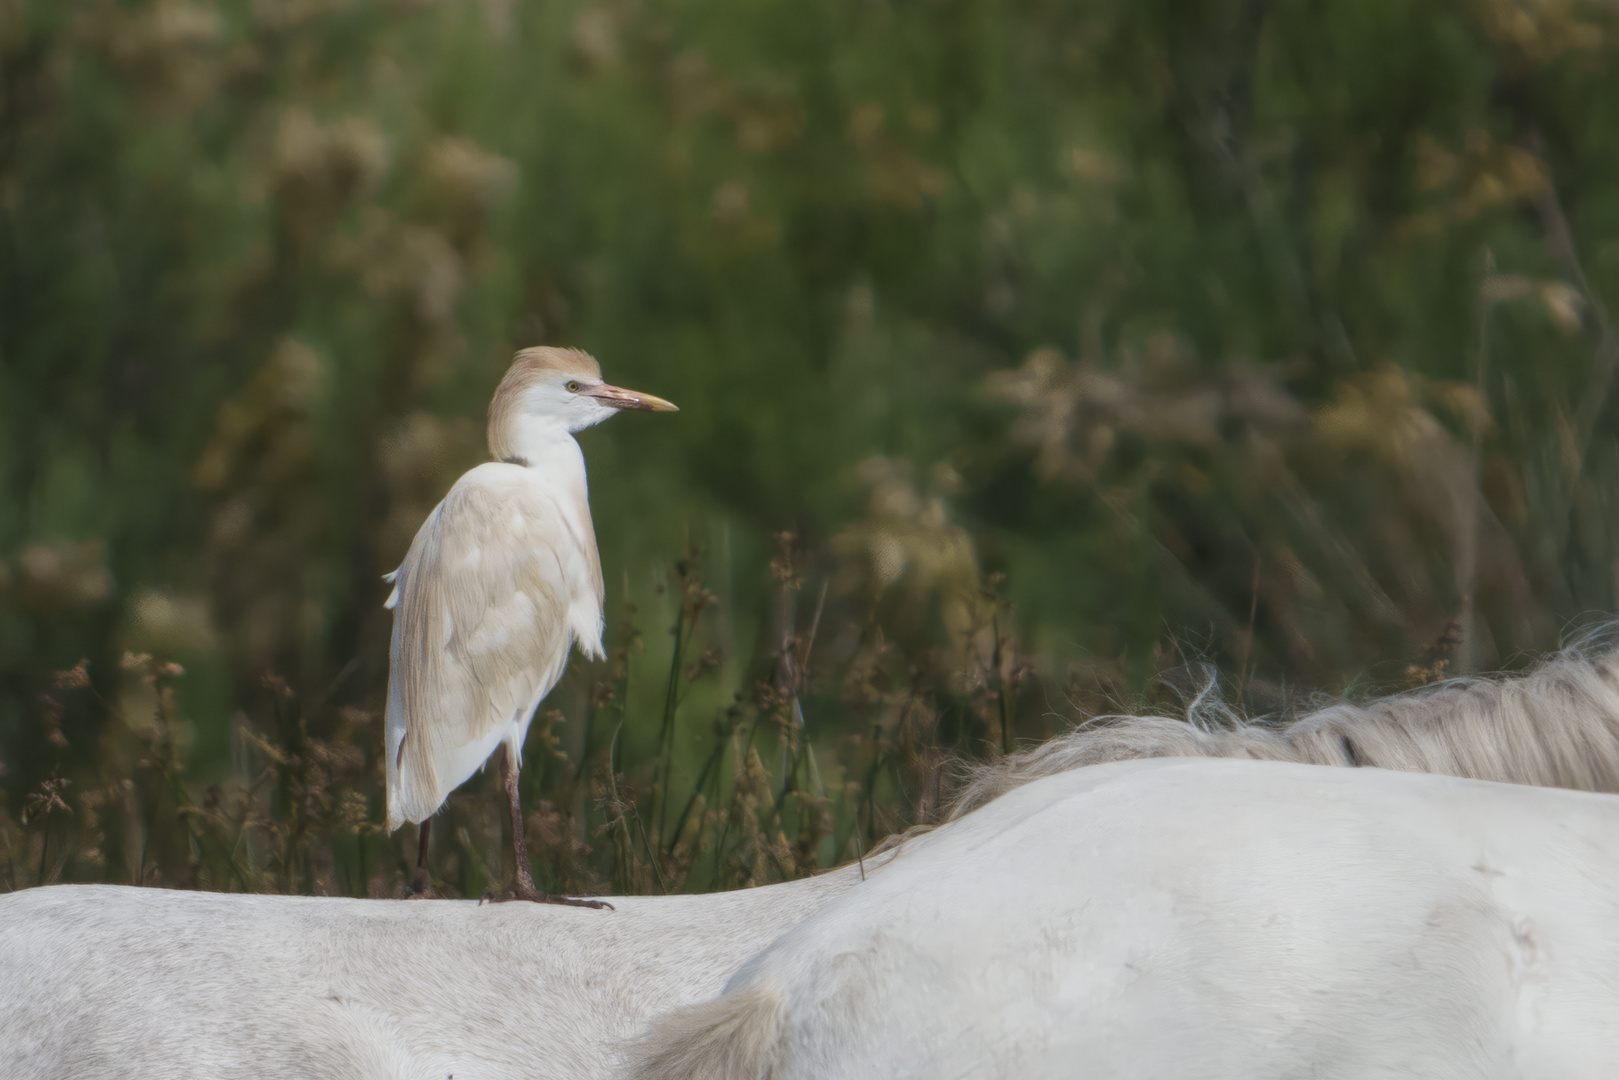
x: 420, y: 887
x: 526, y: 891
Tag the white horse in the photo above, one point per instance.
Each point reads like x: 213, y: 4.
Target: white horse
x: 130, y: 983
x: 1194, y: 918
x: 100, y: 981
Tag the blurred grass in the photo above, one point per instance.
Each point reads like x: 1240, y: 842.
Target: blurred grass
x: 1028, y: 354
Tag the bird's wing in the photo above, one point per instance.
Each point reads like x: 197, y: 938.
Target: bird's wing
x: 496, y: 584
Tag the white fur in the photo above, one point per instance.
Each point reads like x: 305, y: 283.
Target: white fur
x: 1200, y: 918
x: 101, y: 981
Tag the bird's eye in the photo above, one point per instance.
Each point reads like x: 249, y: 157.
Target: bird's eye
x: 573, y: 386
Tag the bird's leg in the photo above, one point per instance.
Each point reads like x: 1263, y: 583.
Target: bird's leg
x: 524, y: 888
x: 421, y: 886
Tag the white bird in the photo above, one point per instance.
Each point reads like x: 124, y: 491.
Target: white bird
x: 502, y: 578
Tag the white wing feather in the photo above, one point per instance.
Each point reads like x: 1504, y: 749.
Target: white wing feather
x: 499, y: 581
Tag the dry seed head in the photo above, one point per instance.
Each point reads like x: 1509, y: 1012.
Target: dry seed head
x: 63, y: 574
x: 74, y: 678
x: 322, y: 167
x: 468, y: 176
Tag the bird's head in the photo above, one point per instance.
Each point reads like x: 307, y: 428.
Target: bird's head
x: 549, y: 391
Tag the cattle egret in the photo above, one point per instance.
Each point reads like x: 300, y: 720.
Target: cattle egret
x: 502, y: 578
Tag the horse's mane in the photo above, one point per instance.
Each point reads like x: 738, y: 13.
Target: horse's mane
x: 1555, y: 726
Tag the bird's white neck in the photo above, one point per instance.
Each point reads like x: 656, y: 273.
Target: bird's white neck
x: 537, y: 444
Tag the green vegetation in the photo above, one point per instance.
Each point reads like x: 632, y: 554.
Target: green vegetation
x: 1031, y: 355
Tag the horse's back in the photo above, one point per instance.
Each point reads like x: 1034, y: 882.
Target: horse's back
x: 105, y: 981
x: 109, y: 981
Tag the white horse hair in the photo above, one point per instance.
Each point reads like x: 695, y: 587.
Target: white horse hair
x: 1213, y: 919
x: 1556, y: 726
x: 102, y: 981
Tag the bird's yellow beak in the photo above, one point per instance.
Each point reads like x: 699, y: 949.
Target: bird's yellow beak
x: 620, y: 398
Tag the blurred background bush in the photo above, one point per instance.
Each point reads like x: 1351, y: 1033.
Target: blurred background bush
x: 1036, y: 358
